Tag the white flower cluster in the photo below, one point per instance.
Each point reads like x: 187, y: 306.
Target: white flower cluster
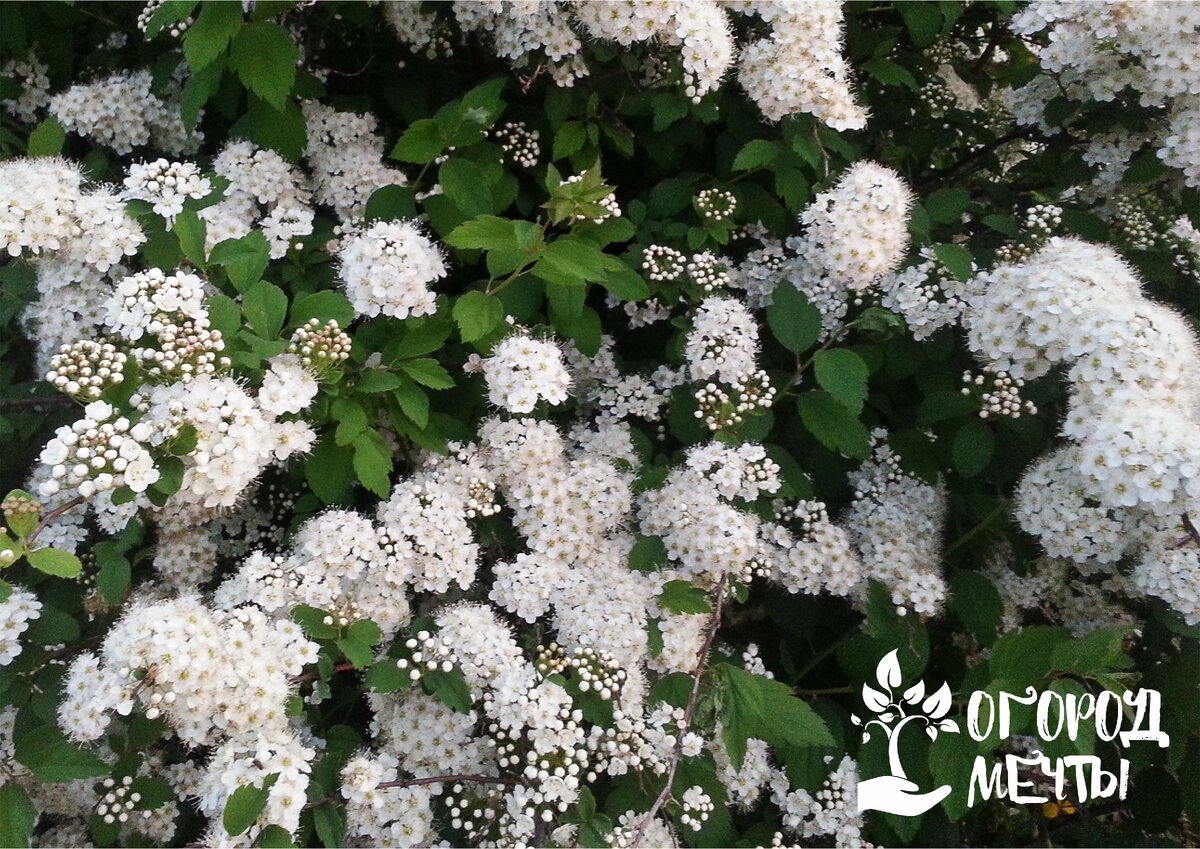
x: 31, y: 75
x: 218, y: 678
x: 122, y: 112
x: 799, y: 67
x: 236, y: 437
x: 832, y: 810
x: 896, y: 524
x: 265, y: 192
x: 84, y: 369
x: 810, y: 554
x: 345, y: 156
x: 166, y: 185
x: 148, y: 301
x: 523, y: 370
x: 706, y: 535
x: 700, y: 28
x: 519, y: 143
x: 1133, y: 423
x: 927, y: 295
x: 723, y: 342
x: 598, y: 384
x: 16, y: 612
x: 99, y: 452
x: 1097, y: 51
x: 524, y: 33
x: 388, y: 268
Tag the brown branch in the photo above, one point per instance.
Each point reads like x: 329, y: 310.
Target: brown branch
x: 1190, y: 527
x: 990, y: 49
x: 689, y: 711
x: 40, y: 401
x: 979, y: 152
x: 508, y: 781
x: 313, y: 676
x: 54, y: 514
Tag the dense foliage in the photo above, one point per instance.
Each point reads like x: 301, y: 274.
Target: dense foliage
x: 533, y: 423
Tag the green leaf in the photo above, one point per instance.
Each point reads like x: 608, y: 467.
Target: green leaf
x: 428, y: 372
x: 890, y: 73
x: 264, y: 58
x: 973, y: 447
x: 569, y: 139
x: 450, y: 687
x: 755, y: 154
x: 1099, y: 651
x: 420, y: 143
x: 265, y: 306
x: 365, y: 631
x: 245, y: 805
x: 274, y: 837
x: 328, y: 470
x: 681, y: 597
x: 669, y: 107
x: 373, y: 462
x: 570, y: 262
x: 924, y: 21
x: 375, y: 380
x: 486, y: 232
x: 47, y: 138
x: 323, y: 306
x: 312, y: 620
x: 843, y: 374
x: 112, y: 578
x: 622, y: 281
x: 477, y: 315
x: 244, y: 259
x: 391, y: 203
x: 956, y: 258
x: 833, y: 424
x: 200, y: 87
x: 1023, y: 657
x: 385, y: 677
x: 753, y: 706
x: 414, y: 403
x: 465, y: 183
x: 648, y: 554
x: 54, y: 759
x: 358, y: 653
x: 190, y: 229
x: 975, y: 601
x: 946, y: 206
x: 794, y: 321
x: 208, y: 37
x: 53, y: 561
x: 22, y: 512
x: 330, y: 822
x: 17, y: 816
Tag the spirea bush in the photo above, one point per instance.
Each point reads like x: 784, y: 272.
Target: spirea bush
x: 532, y: 423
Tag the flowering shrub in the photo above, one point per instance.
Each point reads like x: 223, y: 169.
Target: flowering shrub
x: 530, y: 423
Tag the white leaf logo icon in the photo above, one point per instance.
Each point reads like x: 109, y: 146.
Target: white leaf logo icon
x: 874, y: 699
x: 888, y: 671
x: 915, y: 693
x: 938, y: 705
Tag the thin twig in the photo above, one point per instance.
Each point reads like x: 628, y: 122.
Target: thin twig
x: 506, y: 780
x: 40, y: 401
x: 688, y: 712
x: 54, y: 514
x: 1190, y: 527
x: 313, y: 676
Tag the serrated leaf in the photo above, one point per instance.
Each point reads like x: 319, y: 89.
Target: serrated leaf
x: 323, y: 306
x: 54, y: 759
x: 957, y: 260
x: 265, y: 307
x: 245, y: 804
x: 373, y: 462
x: 973, y: 447
x: 833, y: 424
x: 477, y: 315
x: 755, y: 154
x: 47, y: 138
x: 264, y: 58
x: 17, y: 816
x: 209, y: 36
x: 466, y: 185
x: 946, y: 206
x: 450, y: 687
x: 244, y: 259
x: 427, y: 372
x: 375, y: 380
x: 681, y: 597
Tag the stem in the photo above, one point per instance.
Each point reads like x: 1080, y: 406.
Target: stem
x: 45, y: 401
x: 54, y: 514
x: 975, y: 531
x: 827, y: 691
x: 313, y: 676
x: 1190, y: 527
x: 508, y: 781
x: 697, y: 675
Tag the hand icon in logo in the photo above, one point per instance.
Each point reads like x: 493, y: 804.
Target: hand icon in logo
x: 895, y: 793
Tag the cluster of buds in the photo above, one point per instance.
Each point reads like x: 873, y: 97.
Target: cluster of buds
x: 707, y: 271
x: 98, y: 453
x: 427, y: 652
x: 321, y: 347
x: 1001, y: 397
x: 716, y: 204
x: 596, y: 670
x: 174, y: 30
x: 888, y: 473
x: 118, y: 801
x: 696, y: 807
x: 806, y: 516
x: 470, y: 813
x: 1041, y: 220
x: 937, y: 97
x: 721, y: 407
x: 519, y: 143
x: 662, y: 263
x: 166, y: 185
x: 84, y: 369
x: 186, y: 350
